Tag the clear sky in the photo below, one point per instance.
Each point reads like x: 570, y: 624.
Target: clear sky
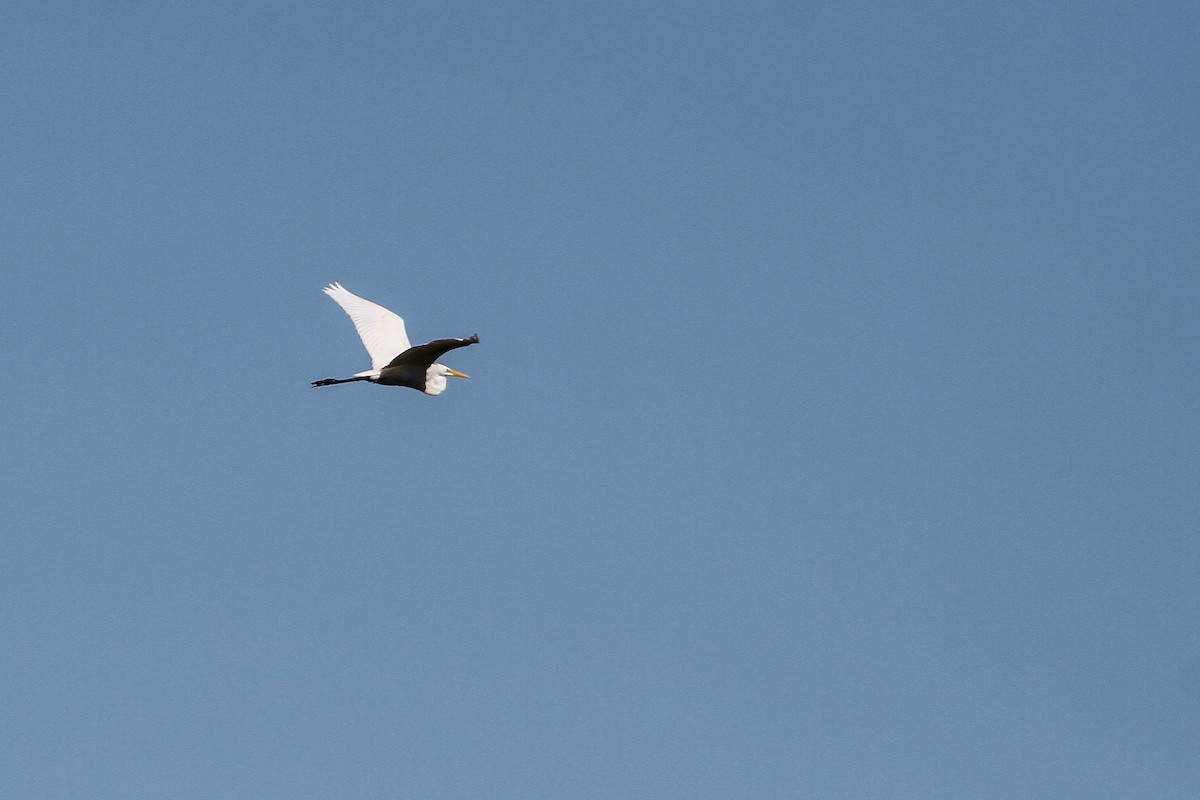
x: 833, y: 432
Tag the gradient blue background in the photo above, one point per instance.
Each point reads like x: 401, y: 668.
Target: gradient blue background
x: 833, y: 432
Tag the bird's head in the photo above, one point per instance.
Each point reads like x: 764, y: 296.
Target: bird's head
x: 435, y: 378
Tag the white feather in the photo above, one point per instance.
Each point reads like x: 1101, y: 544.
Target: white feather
x: 435, y: 379
x: 382, y: 331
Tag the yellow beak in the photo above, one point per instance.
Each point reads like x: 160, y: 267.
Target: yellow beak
x: 456, y: 373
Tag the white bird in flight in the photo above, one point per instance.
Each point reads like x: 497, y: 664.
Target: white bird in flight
x: 394, y: 362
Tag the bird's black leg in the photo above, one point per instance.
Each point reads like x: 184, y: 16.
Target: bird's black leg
x: 332, y: 381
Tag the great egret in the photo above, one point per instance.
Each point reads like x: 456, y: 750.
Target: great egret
x: 394, y: 362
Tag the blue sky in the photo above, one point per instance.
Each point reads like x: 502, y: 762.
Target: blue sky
x: 833, y: 431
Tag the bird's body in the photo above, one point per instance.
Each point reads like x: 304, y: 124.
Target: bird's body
x: 394, y: 362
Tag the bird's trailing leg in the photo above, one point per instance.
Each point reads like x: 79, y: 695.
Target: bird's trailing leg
x: 332, y: 381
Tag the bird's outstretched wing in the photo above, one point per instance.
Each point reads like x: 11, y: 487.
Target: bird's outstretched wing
x: 425, y: 354
x: 382, y: 331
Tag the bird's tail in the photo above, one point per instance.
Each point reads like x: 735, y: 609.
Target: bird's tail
x: 332, y: 381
